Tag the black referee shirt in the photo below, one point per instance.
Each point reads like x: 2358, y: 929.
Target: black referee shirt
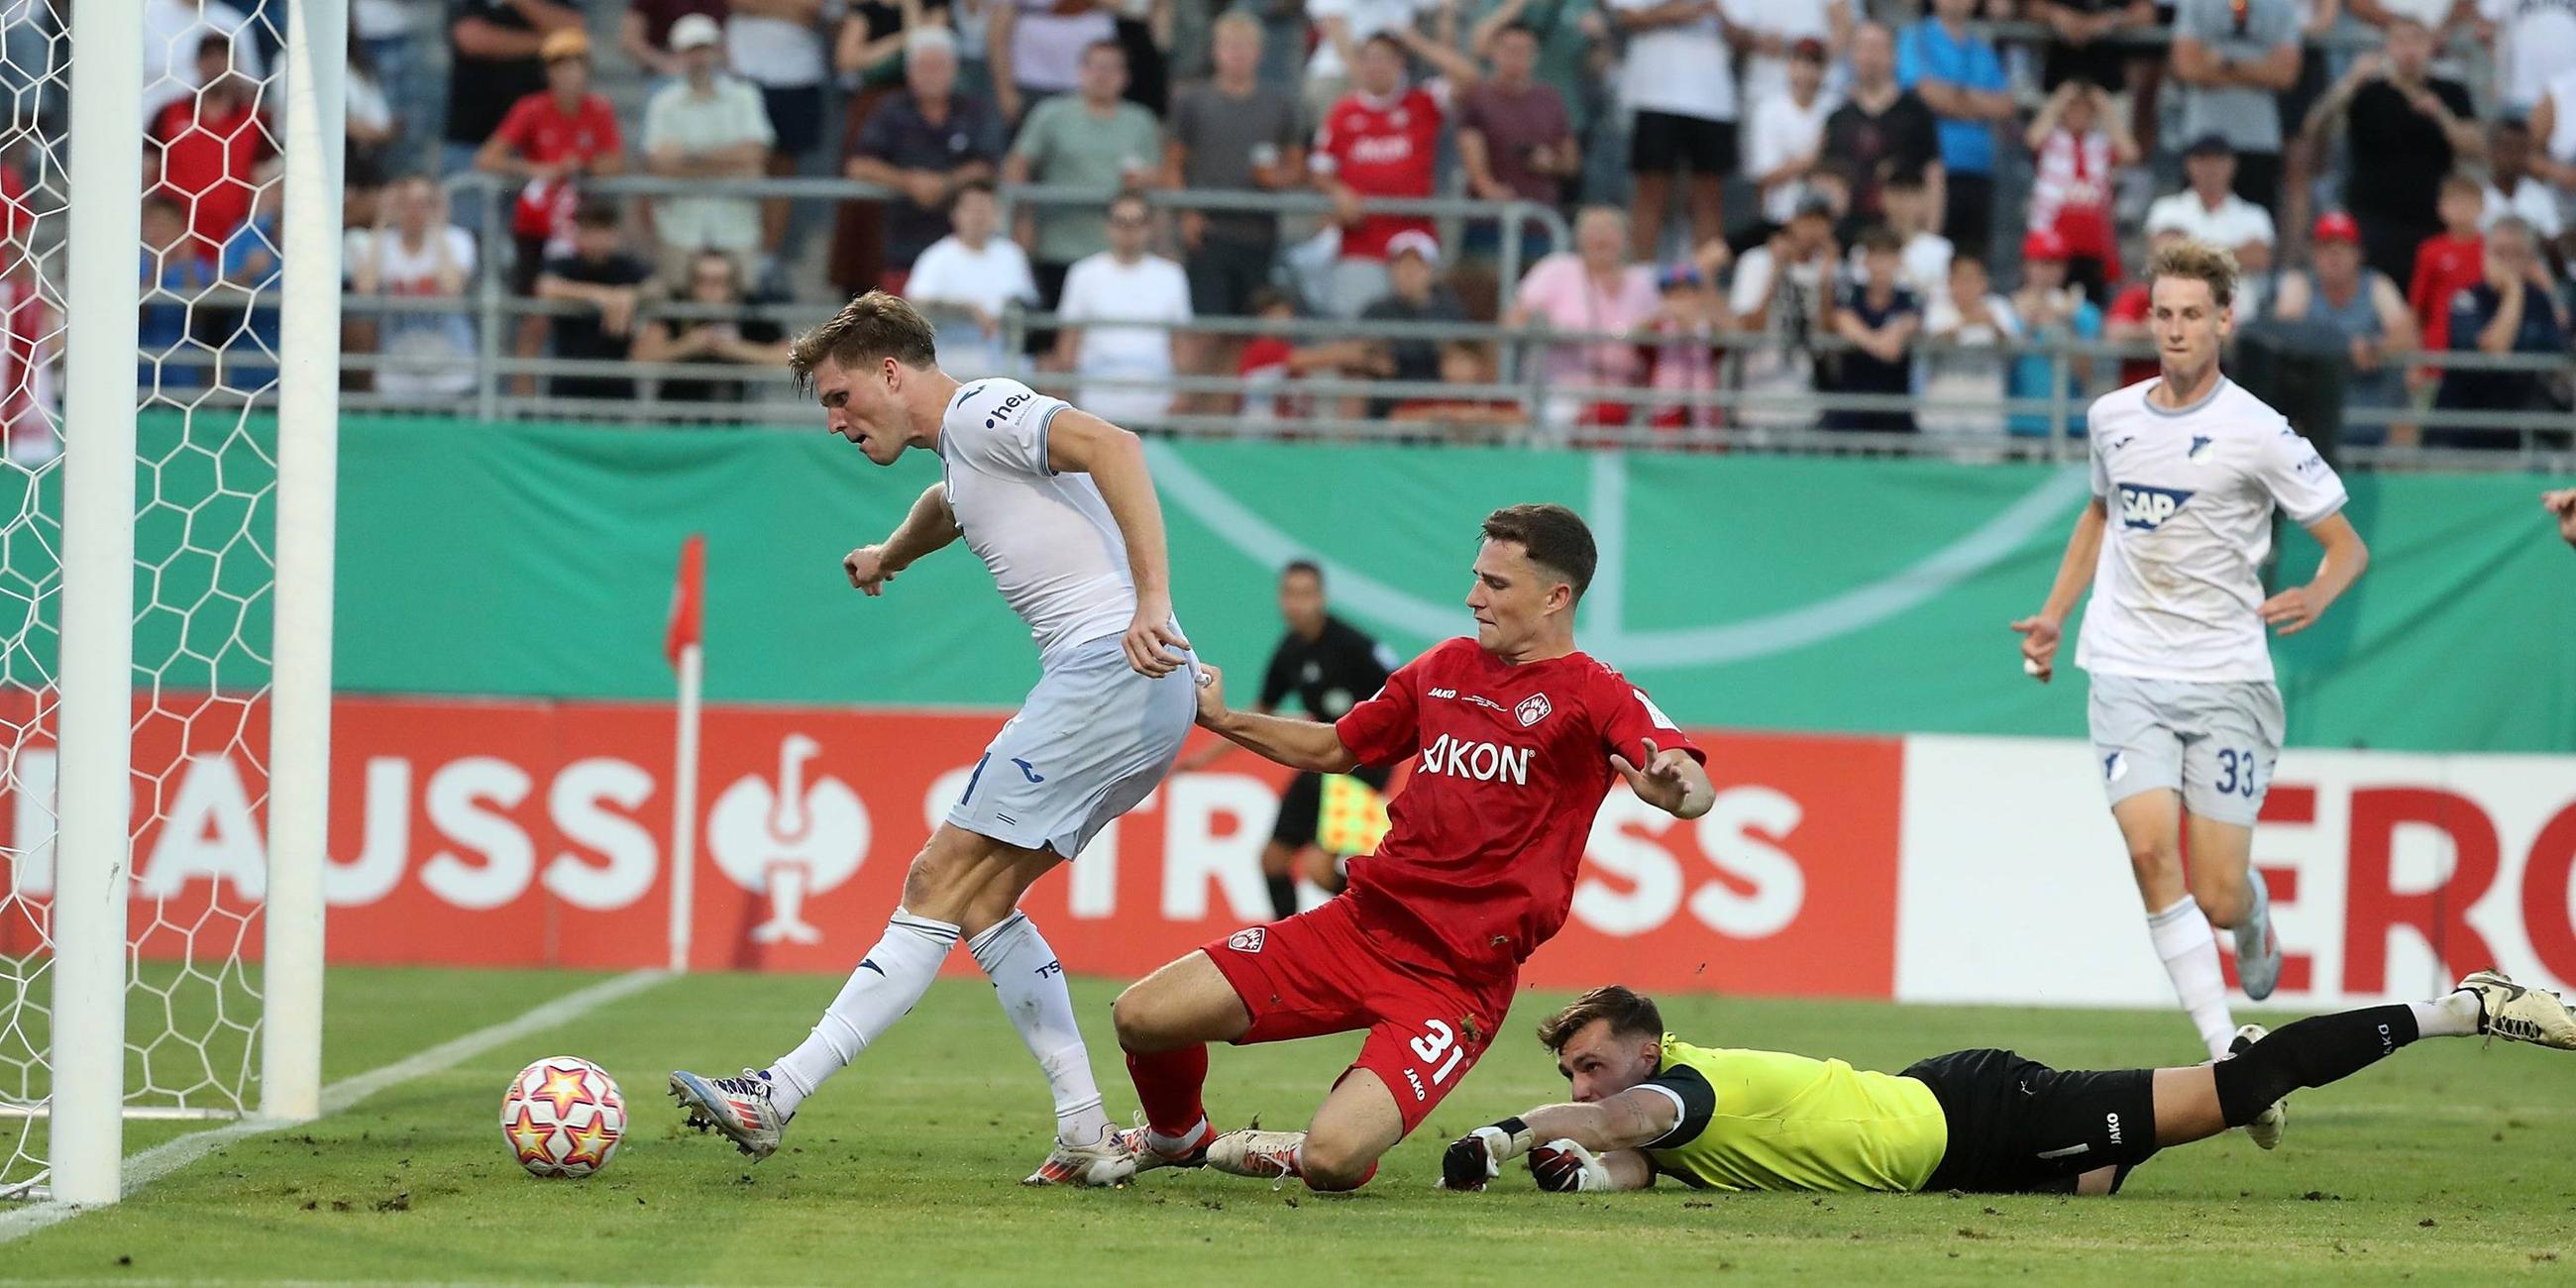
x: 1330, y: 674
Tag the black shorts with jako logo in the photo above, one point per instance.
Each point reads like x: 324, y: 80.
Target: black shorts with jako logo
x: 2020, y: 1127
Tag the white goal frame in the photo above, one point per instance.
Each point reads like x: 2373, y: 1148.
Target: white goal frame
x: 93, y: 849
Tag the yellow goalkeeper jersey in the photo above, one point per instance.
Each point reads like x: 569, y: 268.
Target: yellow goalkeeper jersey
x: 1765, y: 1120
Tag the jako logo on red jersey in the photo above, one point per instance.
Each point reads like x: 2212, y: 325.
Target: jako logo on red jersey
x: 1482, y: 761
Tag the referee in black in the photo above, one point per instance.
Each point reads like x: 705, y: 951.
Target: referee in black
x: 1331, y: 666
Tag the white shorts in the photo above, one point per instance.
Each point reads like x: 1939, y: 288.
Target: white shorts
x: 2215, y: 742
x: 1093, y: 738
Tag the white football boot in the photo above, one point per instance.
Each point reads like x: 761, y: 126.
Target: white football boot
x: 1106, y: 1162
x: 2267, y: 1126
x: 738, y: 1107
x: 2258, y: 950
x: 1140, y: 1144
x: 1262, y: 1155
x: 2519, y: 1013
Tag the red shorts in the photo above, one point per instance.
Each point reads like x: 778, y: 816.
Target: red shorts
x: 1329, y: 970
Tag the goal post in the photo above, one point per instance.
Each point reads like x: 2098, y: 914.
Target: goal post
x: 308, y: 435
x: 92, y: 853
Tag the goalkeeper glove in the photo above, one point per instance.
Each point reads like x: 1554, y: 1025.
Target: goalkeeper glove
x: 1478, y: 1157
x: 1564, y: 1166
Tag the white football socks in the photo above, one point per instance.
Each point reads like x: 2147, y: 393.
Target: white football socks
x: 1029, y: 983
x: 2452, y: 1015
x: 2190, y: 952
x: 892, y: 977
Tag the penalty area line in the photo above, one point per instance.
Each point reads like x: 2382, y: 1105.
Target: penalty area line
x: 169, y: 1156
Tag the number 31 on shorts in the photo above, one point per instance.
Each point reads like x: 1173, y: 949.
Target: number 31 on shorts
x: 1437, y: 1039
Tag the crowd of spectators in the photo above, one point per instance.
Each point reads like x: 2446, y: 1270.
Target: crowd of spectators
x: 1768, y: 199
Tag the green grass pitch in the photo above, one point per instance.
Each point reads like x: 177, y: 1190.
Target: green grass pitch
x: 2447, y: 1163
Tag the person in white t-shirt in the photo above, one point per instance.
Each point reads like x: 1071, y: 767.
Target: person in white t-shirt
x: 2209, y: 210
x: 1786, y: 134
x: 1925, y: 262
x: 2188, y: 469
x: 1124, y: 283
x: 2533, y: 42
x: 1678, y: 84
x: 965, y: 281
x: 1773, y: 31
x: 1970, y: 328
x: 416, y: 253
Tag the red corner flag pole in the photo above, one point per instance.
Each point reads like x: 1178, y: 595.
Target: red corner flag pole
x: 680, y: 644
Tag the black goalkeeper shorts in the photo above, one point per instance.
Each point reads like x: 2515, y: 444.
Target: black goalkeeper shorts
x: 2020, y: 1127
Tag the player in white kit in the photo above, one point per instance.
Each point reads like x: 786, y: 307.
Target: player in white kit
x: 1059, y: 506
x: 2187, y: 470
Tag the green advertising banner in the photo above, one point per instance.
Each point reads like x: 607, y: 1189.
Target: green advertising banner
x: 1745, y: 591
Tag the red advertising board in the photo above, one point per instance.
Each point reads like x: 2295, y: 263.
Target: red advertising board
x: 534, y: 834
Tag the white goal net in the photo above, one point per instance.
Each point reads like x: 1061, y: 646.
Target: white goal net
x: 204, y: 292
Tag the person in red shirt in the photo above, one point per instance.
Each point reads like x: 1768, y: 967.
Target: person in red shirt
x: 2450, y: 261
x: 1519, y: 736
x: 207, y: 145
x: 1380, y: 140
x: 551, y: 139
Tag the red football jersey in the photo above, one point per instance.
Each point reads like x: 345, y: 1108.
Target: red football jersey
x: 1381, y: 150
x: 1513, y: 763
x: 208, y: 163
x: 539, y: 130
x: 2444, y: 267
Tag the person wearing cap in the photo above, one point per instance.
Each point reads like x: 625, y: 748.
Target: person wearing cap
x: 2212, y: 209
x: 2234, y: 58
x: 1784, y: 138
x: 2360, y: 304
x: 493, y: 62
x: 1686, y: 326
x: 2409, y: 131
x: 1776, y: 30
x: 2052, y: 310
x: 550, y: 140
x: 645, y: 30
x: 1593, y: 288
x: 1415, y: 293
x: 707, y: 126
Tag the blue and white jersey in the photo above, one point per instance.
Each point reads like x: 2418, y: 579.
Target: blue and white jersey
x: 2190, y: 494
x: 1048, y: 538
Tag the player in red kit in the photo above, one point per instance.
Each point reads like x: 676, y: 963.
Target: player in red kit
x: 1518, y: 736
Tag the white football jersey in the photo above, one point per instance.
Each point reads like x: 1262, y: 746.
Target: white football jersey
x: 2190, y: 494
x: 1054, y: 551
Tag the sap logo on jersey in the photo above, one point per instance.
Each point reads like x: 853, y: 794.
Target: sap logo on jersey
x: 1482, y: 761
x: 2146, y: 508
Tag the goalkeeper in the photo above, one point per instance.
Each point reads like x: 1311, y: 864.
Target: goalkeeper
x: 1647, y: 1104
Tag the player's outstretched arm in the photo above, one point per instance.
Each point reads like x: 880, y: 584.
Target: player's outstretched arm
x: 1571, y: 1147
x: 1298, y: 744
x: 2041, y: 631
x: 1669, y: 780
x: 927, y: 527
x: 2298, y: 608
x: 1080, y: 442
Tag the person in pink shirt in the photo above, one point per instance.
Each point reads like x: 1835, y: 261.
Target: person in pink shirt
x: 1686, y: 325
x: 1593, y: 288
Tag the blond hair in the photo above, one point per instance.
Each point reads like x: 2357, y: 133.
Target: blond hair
x: 2198, y: 261
x: 867, y: 330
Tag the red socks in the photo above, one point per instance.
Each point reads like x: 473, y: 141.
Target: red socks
x: 1168, y: 1085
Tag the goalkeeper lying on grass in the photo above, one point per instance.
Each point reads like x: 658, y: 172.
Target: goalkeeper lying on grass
x: 1991, y: 1121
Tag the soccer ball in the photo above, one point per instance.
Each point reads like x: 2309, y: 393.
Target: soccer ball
x: 563, y: 1116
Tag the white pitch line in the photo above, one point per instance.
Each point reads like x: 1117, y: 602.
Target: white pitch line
x: 169, y: 1156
